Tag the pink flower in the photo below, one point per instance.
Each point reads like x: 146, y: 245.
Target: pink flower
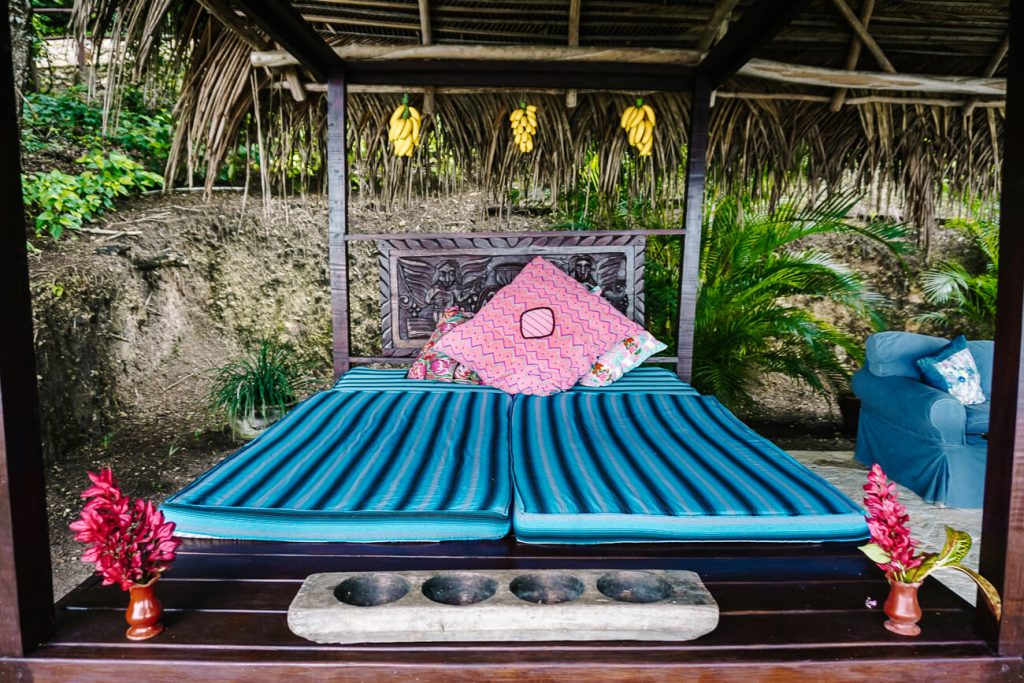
x: 417, y: 371
x: 887, y: 521
x: 440, y: 366
x: 129, y: 542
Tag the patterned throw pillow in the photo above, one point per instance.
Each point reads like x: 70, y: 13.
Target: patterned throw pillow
x: 539, y: 334
x: 623, y: 357
x: 431, y: 364
x: 953, y: 369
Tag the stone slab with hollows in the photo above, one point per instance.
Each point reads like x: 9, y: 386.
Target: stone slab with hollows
x: 502, y: 605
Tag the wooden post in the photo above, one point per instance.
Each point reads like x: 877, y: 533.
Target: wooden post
x: 337, y: 224
x: 1002, y: 549
x: 696, y: 169
x: 26, y: 589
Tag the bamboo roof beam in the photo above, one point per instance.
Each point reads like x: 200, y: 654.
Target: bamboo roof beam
x: 294, y: 84
x: 990, y: 70
x: 426, y: 39
x: 853, y: 56
x: 354, y: 52
x: 760, y: 23
x: 799, y: 74
x: 717, y: 24
x: 227, y: 16
x: 574, y: 41
x: 865, y: 37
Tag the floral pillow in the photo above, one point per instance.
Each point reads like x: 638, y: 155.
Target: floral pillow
x: 539, y: 334
x: 953, y: 369
x: 623, y: 357
x: 432, y: 364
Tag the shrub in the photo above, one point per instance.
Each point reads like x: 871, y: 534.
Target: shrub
x: 755, y: 283
x: 261, y: 381
x: 966, y: 294
x: 63, y: 202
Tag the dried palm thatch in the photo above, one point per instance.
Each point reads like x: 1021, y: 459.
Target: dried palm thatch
x: 761, y: 140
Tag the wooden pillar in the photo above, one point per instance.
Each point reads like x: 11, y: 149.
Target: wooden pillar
x: 696, y: 170
x: 337, y: 224
x: 26, y: 589
x: 1002, y: 550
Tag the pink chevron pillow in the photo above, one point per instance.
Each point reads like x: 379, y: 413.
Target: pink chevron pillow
x: 539, y: 334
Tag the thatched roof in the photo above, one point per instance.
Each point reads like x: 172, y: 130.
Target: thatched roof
x: 922, y: 107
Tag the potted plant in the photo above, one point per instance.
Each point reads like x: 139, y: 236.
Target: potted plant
x: 131, y: 546
x: 895, y: 553
x: 257, y: 389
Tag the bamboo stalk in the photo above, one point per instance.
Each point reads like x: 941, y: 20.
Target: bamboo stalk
x: 853, y: 56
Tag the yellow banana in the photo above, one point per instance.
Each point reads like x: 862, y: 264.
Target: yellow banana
x: 394, y: 130
x: 415, y: 114
x: 646, y: 135
x: 650, y: 113
x: 625, y: 117
x: 406, y: 128
x: 516, y: 115
x: 638, y: 116
x: 529, y: 145
x: 415, y: 129
x: 531, y: 108
x: 632, y: 135
x: 397, y: 114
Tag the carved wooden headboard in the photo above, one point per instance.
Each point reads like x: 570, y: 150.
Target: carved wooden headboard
x: 421, y: 275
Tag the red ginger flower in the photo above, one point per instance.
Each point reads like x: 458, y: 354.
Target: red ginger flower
x: 887, y: 521
x: 129, y: 542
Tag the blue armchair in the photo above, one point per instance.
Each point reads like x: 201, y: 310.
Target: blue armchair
x: 921, y: 436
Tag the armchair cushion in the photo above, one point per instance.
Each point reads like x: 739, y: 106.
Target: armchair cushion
x: 977, y: 419
x: 895, y: 353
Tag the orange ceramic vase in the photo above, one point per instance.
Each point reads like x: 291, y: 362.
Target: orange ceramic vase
x: 144, y: 612
x: 902, y: 609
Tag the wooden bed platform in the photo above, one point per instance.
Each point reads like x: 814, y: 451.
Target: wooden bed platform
x: 793, y: 611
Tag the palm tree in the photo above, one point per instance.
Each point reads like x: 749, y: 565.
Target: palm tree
x: 968, y: 299
x: 755, y: 284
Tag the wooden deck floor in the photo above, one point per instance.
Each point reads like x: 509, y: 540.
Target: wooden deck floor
x: 788, y: 611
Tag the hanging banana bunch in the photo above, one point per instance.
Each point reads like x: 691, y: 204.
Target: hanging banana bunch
x: 638, y: 122
x: 524, y: 126
x: 404, y: 128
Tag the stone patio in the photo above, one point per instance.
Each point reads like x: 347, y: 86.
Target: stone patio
x: 927, y: 522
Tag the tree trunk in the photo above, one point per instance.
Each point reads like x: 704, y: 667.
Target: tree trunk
x: 22, y: 36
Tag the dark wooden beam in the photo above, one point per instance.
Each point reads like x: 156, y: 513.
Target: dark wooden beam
x: 283, y: 23
x: 519, y: 74
x: 337, y: 220
x: 1002, y: 549
x: 26, y: 589
x: 696, y: 170
x: 758, y: 25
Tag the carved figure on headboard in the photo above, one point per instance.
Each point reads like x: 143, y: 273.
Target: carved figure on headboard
x: 582, y: 269
x: 445, y: 287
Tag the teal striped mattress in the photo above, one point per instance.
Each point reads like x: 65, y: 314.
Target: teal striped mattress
x: 363, y: 465
x: 380, y: 458
x: 632, y: 467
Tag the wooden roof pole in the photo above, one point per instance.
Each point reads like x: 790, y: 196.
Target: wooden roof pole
x: 26, y: 589
x: 990, y: 70
x: 574, y: 41
x: 283, y: 23
x: 758, y: 25
x: 853, y: 56
x: 1002, y: 548
x: 717, y: 24
x: 862, y: 32
x: 426, y: 39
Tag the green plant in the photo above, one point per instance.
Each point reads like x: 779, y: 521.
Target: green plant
x: 756, y: 284
x: 967, y: 295
x: 63, y: 202
x: 263, y: 380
